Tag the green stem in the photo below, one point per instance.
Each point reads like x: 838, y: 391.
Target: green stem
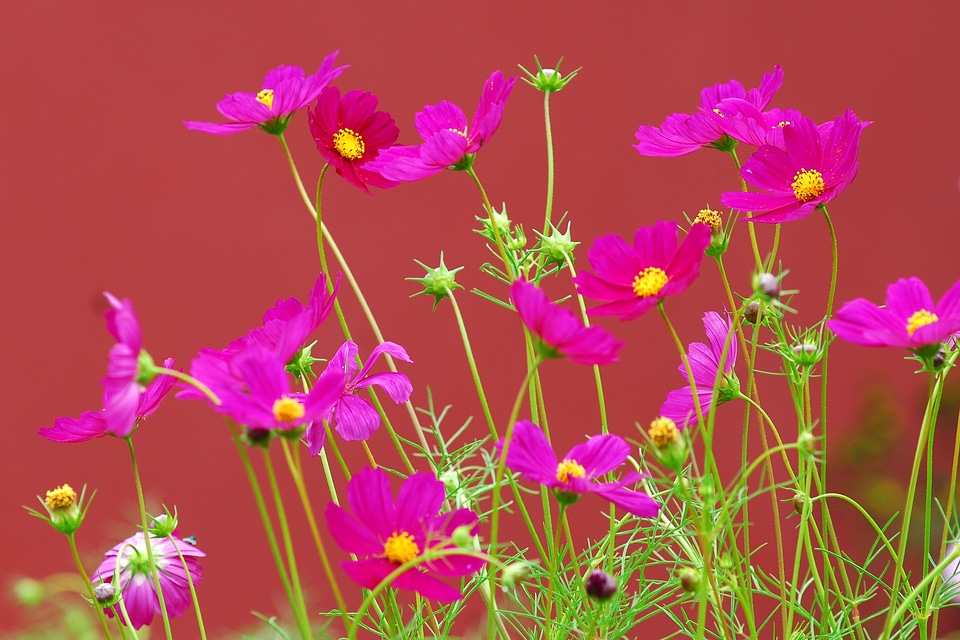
x: 750, y: 228
x: 550, y: 162
x: 86, y: 583
x: 498, y: 238
x: 555, y: 560
x: 191, y: 586
x: 471, y: 362
x: 948, y: 516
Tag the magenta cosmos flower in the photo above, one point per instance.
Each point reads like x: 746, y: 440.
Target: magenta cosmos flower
x: 705, y: 363
x: 446, y: 137
x: 814, y: 166
x: 683, y: 133
x: 136, y: 582
x: 93, y: 424
x: 744, y: 122
x: 350, y: 132
x: 559, y: 332
x: 353, y: 417
x: 908, y: 319
x: 531, y: 455
x: 285, y: 90
x: 385, y: 533
x: 632, y: 280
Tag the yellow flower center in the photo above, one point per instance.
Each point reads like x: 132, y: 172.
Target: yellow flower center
x: 349, y: 144
x: 400, y: 548
x: 462, y: 133
x: 649, y: 282
x: 288, y: 410
x: 711, y: 218
x: 570, y: 469
x: 61, y: 497
x: 919, y: 319
x: 663, y: 431
x: 265, y: 96
x: 807, y: 184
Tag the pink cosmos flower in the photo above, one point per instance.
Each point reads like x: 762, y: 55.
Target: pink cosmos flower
x: 446, y: 137
x: 909, y: 318
x: 93, y: 424
x: 350, y: 132
x: 814, y: 166
x: 263, y: 398
x: 559, y: 332
x: 285, y: 328
x: 136, y: 582
x: 531, y: 455
x: 684, y: 133
x: 285, y: 90
x: 705, y: 362
x: 744, y: 122
x: 385, y: 533
x: 353, y: 417
x: 631, y: 280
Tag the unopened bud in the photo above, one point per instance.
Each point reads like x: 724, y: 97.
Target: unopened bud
x: 940, y: 358
x: 751, y: 312
x: 600, y: 585
x: 104, y: 593
x: 799, y: 502
x: 514, y: 573
x: 768, y: 284
x: 689, y: 579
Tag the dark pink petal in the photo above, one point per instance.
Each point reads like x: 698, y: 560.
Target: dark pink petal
x: 355, y: 418
x: 615, y: 261
x: 352, y: 536
x: 718, y: 330
x: 220, y: 129
x: 590, y: 286
x: 122, y: 323
x: 862, y: 322
x: 120, y: 409
x: 679, y: 405
x: 685, y: 264
x: 368, y: 494
x: 711, y: 96
x: 315, y: 435
x: 443, y: 116
x: 443, y: 149
x: 426, y: 586
x: 802, y: 142
x: 600, y: 454
x: 656, y: 245
x: 397, y: 385
x: 769, y: 85
x: 635, y: 502
x: 785, y: 212
x: 770, y: 169
x: 420, y: 498
x: 949, y: 305
x: 907, y: 296
x: 703, y: 364
x: 244, y: 107
x: 402, y: 163
x: 368, y: 573
x: 630, y: 309
x: 89, y: 425
x: 530, y: 454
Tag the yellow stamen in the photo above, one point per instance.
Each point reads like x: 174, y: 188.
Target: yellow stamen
x: 663, y: 431
x: 400, y: 548
x: 783, y: 123
x: 349, y: 144
x: 649, y: 282
x: 265, y: 96
x: 61, y: 497
x: 462, y: 133
x: 570, y: 469
x: 288, y: 410
x: 807, y: 184
x: 710, y: 217
x: 920, y: 319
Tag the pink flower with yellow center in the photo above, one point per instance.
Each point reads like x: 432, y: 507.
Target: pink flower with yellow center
x: 631, y: 280
x: 812, y: 168
x: 385, y: 533
x: 286, y: 90
x: 577, y: 472
x: 350, y: 132
x: 909, y: 318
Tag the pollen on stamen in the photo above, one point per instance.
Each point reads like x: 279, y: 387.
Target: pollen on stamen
x: 807, y: 184
x: 663, y: 431
x: 400, y: 548
x: 650, y: 282
x: 265, y: 96
x: 920, y: 319
x: 711, y: 218
x: 570, y: 469
x: 462, y: 133
x: 349, y: 144
x: 61, y: 497
x: 288, y: 410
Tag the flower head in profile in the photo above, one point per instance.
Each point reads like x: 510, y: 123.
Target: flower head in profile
x: 286, y: 90
x: 909, y: 318
x: 447, y: 140
x: 814, y: 166
x: 705, y: 364
x: 353, y: 417
x: 631, y: 280
x: 385, y: 533
x: 559, y: 333
x: 350, y: 132
x: 93, y: 424
x: 683, y: 133
x: 530, y: 454
x: 135, y: 578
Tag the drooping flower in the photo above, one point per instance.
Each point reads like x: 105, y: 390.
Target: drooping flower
x: 262, y: 398
x: 630, y: 280
x: 705, y: 363
x: 531, y: 455
x: 560, y: 333
x: 136, y: 582
x: 93, y: 424
x: 285, y: 90
x: 447, y: 139
x: 683, y: 133
x: 909, y: 318
x: 814, y: 166
x: 353, y: 417
x: 350, y: 132
x: 385, y: 533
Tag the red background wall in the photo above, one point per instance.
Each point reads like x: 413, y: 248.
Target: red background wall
x: 102, y: 188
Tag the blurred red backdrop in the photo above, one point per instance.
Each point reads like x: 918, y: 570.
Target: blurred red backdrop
x: 104, y: 189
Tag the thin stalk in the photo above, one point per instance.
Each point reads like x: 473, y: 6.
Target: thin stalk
x: 498, y: 239
x: 555, y: 559
x: 550, y: 162
x: 750, y: 228
x: 191, y: 587
x: 86, y: 582
x: 948, y: 516
x: 472, y: 363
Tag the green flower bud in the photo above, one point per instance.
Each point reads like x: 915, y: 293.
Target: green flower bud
x: 439, y: 282
x: 558, y: 247
x: 600, y: 585
x: 689, y: 579
x: 146, y: 369
x: 164, y: 524
x: 513, y: 574
x: 463, y: 537
x: 502, y: 221
x: 548, y: 80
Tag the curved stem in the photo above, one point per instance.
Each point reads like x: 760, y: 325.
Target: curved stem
x: 89, y: 586
x: 498, y: 238
x: 471, y: 362
x: 550, y: 162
